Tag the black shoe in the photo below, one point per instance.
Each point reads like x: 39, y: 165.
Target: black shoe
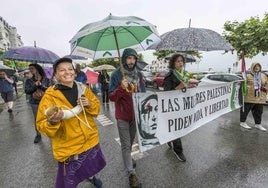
x: 96, y: 182
x: 37, y: 138
x: 133, y: 181
x: 10, y: 110
x: 134, y: 163
x: 170, y: 145
x: 180, y: 156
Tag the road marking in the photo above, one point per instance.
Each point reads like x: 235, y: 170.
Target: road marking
x: 135, y: 152
x: 104, y: 121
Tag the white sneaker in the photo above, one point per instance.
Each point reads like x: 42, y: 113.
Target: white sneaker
x: 243, y: 124
x: 259, y: 126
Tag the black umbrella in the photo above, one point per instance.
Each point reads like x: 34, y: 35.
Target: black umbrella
x: 192, y: 39
x: 188, y: 58
x: 141, y: 64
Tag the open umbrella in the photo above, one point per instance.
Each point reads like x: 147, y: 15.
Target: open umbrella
x: 110, y: 36
x: 76, y: 57
x: 30, y: 54
x: 192, y: 39
x: 9, y: 71
x: 188, y: 58
x: 104, y: 67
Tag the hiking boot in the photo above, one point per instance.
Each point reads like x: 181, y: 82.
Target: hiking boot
x: 96, y: 182
x: 180, y: 156
x: 259, y: 126
x: 133, y: 181
x: 37, y: 138
x: 243, y: 124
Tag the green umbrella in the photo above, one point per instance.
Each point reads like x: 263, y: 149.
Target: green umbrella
x: 110, y: 36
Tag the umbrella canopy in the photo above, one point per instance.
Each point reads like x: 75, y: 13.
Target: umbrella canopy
x: 9, y: 71
x: 76, y: 57
x: 188, y: 58
x: 30, y: 54
x: 104, y: 67
x: 110, y: 36
x: 49, y: 72
x: 192, y: 39
x: 92, y: 77
x: 141, y: 64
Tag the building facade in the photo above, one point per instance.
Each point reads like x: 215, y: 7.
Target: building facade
x: 9, y: 38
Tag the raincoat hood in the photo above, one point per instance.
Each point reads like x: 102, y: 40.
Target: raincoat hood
x: 128, y: 52
x: 253, y: 65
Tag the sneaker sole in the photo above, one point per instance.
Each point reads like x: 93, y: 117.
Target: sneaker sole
x: 178, y: 157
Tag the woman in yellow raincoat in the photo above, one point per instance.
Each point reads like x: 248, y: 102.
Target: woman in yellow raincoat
x: 65, y: 115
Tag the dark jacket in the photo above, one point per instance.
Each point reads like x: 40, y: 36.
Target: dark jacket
x: 170, y: 81
x: 123, y: 100
x: 104, y: 79
x: 30, y: 88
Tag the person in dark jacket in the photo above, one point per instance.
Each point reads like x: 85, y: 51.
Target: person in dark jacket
x: 37, y: 81
x: 120, y: 92
x: 177, y: 78
x: 104, y: 79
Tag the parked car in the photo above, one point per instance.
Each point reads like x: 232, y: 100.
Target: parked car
x: 219, y: 78
x: 158, y: 80
x: 148, y: 78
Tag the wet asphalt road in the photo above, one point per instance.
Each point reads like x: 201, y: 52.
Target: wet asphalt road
x: 219, y: 154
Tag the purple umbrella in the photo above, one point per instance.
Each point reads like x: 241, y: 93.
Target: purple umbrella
x: 49, y: 72
x: 30, y: 54
x: 78, y: 57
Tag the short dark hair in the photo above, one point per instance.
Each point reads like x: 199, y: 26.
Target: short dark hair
x: 173, y: 60
x: 61, y: 60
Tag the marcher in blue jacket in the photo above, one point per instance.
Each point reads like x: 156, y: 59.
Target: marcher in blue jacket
x: 6, y: 90
x: 121, y: 89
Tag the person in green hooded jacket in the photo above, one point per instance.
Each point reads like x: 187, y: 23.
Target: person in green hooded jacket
x: 122, y: 85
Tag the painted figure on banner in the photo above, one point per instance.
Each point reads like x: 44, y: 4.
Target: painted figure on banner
x: 147, y: 121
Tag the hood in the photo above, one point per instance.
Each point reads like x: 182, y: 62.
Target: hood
x: 253, y: 65
x: 127, y: 52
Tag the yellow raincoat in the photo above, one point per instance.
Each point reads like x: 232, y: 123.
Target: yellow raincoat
x: 69, y: 136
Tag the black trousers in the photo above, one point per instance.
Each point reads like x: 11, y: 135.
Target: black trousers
x: 256, y: 110
x: 177, y: 146
x: 105, y: 96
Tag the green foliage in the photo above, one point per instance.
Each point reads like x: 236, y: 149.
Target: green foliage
x: 16, y: 64
x: 250, y: 36
x: 111, y: 61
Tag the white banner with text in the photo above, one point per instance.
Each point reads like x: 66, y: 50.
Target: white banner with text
x: 164, y: 116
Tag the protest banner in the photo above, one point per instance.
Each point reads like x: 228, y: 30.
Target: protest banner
x: 164, y: 116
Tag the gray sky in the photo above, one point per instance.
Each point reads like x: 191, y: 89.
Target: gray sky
x: 52, y: 23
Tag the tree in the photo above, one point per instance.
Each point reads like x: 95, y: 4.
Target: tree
x: 250, y: 36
